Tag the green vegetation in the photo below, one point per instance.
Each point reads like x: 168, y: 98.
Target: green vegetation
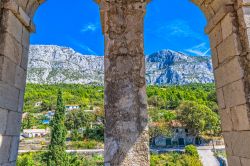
x: 87, y: 96
x: 195, y: 106
x: 166, y: 103
x: 39, y: 159
x: 191, y: 150
x: 189, y: 158
x: 198, y: 118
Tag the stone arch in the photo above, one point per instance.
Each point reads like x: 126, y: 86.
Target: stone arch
x: 228, y: 32
x: 125, y: 96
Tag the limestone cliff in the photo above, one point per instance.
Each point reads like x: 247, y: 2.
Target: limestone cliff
x: 54, y: 64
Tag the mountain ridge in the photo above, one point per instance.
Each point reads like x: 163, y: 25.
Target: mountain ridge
x: 51, y: 64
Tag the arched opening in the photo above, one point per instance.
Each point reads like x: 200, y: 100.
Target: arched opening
x: 49, y: 66
x: 223, y: 28
x: 181, y: 91
x: 65, y: 53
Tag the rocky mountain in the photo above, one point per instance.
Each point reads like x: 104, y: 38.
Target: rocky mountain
x: 170, y: 67
x: 49, y: 64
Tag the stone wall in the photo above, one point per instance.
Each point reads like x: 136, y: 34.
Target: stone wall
x: 227, y: 29
x: 15, y: 28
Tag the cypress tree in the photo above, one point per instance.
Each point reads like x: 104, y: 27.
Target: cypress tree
x: 57, y: 149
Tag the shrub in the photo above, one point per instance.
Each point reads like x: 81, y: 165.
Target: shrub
x: 174, y: 159
x: 191, y: 150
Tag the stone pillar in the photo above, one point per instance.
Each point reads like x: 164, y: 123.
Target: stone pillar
x: 228, y: 29
x: 126, y: 125
x: 15, y: 28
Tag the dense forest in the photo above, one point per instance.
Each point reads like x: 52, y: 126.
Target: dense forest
x: 88, y: 96
x: 165, y: 104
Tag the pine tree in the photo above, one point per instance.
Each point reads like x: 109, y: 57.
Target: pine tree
x: 57, y: 150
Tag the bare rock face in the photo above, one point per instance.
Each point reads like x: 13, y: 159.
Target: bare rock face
x: 175, y: 68
x: 54, y: 64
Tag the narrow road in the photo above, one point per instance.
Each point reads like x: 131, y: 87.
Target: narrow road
x: 207, y: 157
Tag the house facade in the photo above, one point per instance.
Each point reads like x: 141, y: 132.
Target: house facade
x: 72, y: 107
x: 33, y: 133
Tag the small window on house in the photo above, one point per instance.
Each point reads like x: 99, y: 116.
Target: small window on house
x: 186, y: 130
x: 177, y: 130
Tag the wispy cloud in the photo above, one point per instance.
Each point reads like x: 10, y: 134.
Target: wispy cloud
x: 175, y: 29
x: 199, y: 50
x: 85, y: 48
x: 90, y: 27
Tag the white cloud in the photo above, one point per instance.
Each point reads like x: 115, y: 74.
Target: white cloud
x: 89, y: 28
x: 199, y: 50
x: 85, y: 48
x: 176, y: 28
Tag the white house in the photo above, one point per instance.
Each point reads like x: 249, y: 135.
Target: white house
x: 72, y: 107
x: 32, y: 133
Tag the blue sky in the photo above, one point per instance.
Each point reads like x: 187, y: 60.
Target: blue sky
x: 177, y: 25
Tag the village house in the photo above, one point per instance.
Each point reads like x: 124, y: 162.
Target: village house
x: 33, y: 133
x: 180, y: 137
x: 72, y: 107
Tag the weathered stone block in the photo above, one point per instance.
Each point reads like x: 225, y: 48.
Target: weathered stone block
x: 228, y: 143
x: 20, y: 78
x: 31, y: 8
x: 228, y: 25
x: 240, y: 117
x: 24, y: 60
x: 8, y: 96
x: 12, y: 25
x: 11, y: 5
x: 245, y: 161
x: 220, y: 98
x: 215, y: 36
x: 215, y: 58
x: 226, y: 120
x: 10, y: 48
x: 8, y: 71
x: 244, y: 14
x: 234, y: 94
x: 14, y: 128
x: 5, y: 142
x: 23, y: 17
x: 22, y: 3
x: 217, y: 4
x: 25, y: 38
x: 229, y: 48
x: 10, y: 164
x: 228, y: 72
x: 241, y: 143
x: 14, y: 148
x: 3, y: 120
x: 21, y: 101
x: 233, y: 161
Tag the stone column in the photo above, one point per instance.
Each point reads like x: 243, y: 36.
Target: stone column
x: 126, y: 125
x: 15, y: 28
